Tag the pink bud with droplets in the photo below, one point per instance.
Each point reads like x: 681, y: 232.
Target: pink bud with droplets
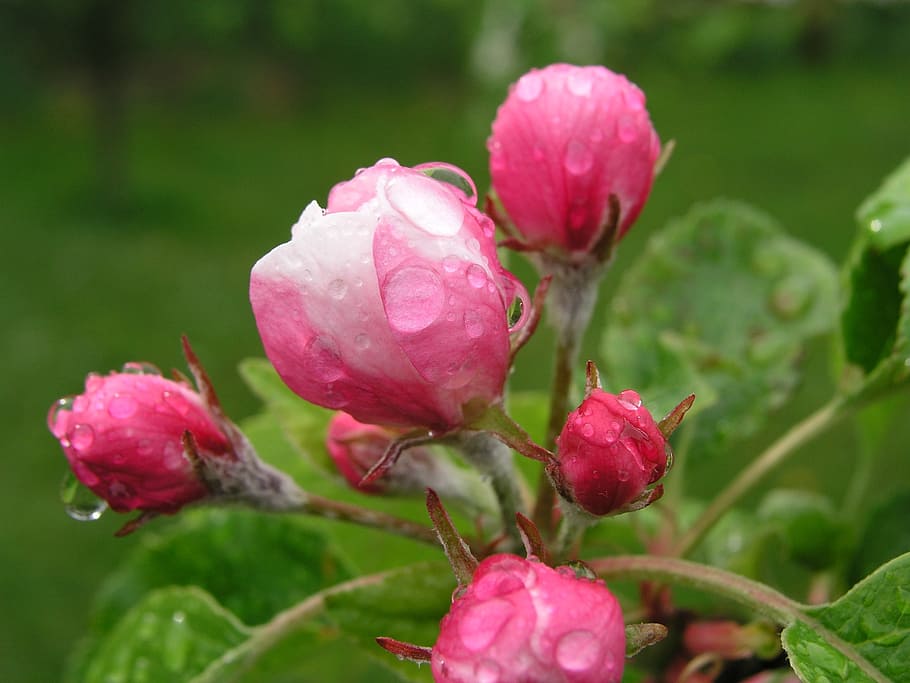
x: 609, y: 451
x: 123, y: 438
x: 520, y: 620
x: 566, y: 139
x: 391, y: 303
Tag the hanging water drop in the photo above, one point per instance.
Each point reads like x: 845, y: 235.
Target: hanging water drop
x: 140, y: 368
x: 78, y: 501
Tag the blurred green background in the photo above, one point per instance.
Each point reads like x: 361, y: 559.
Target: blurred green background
x: 151, y: 151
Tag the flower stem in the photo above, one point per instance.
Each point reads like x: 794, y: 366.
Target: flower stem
x: 774, y: 455
x: 345, y: 512
x: 493, y: 459
x: 667, y: 570
x: 573, y: 292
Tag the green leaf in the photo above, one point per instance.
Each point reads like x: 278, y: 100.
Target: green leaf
x: 875, y: 325
x: 407, y: 605
x: 172, y: 635
x: 863, y: 636
x: 884, y: 535
x: 303, y: 423
x: 720, y: 305
x: 806, y: 526
x: 885, y: 215
x: 254, y: 564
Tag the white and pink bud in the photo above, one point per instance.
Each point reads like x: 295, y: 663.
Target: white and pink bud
x: 609, y: 452
x: 124, y: 440
x: 391, y: 303
x: 520, y: 620
x: 566, y: 140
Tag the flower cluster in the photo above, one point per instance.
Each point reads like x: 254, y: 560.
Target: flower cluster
x: 391, y: 306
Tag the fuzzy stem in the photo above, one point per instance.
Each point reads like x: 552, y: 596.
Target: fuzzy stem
x: 493, y: 459
x: 763, y: 599
x: 774, y: 455
x: 345, y: 512
x: 573, y: 292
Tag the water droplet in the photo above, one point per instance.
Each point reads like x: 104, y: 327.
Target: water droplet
x: 179, y: 617
x: 414, y: 298
x: 337, y: 289
x: 578, y: 651
x: 426, y: 205
x: 481, y: 623
x: 117, y: 489
x: 140, y: 369
x: 477, y: 276
x: 487, y: 671
x: 628, y: 399
x: 473, y: 244
x: 56, y: 421
x: 322, y: 359
x: 451, y: 316
x: 515, y: 312
x: 82, y: 437
x: 451, y: 263
x: 610, y: 436
x: 626, y: 129
x: 362, y: 341
x: 307, y: 275
x: 93, y: 383
x: 529, y: 87
x: 122, y: 406
x: 579, y: 158
x: 451, y: 175
x: 358, y: 282
x: 473, y: 324
x: 588, y: 429
x: 580, y: 83
x: 177, y: 401
x: 79, y: 502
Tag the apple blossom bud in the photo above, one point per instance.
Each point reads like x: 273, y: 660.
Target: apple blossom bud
x: 566, y: 139
x: 609, y: 451
x: 124, y: 440
x: 520, y: 620
x: 391, y: 304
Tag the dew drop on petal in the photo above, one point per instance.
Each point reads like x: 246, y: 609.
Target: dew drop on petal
x: 56, y: 420
x: 414, y: 298
x: 122, y: 407
x: 82, y: 437
x: 473, y: 324
x: 579, y: 158
x: 579, y: 83
x: 481, y: 623
x: 450, y: 263
x: 426, y: 205
x: 140, y: 369
x: 78, y: 501
x: 362, y: 341
x: 487, y: 671
x: 630, y: 400
x: 626, y: 129
x: 588, y: 429
x: 577, y: 651
x: 477, y: 276
x: 337, y: 289
x: 529, y: 87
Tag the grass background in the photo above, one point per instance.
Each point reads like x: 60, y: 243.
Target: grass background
x: 216, y: 178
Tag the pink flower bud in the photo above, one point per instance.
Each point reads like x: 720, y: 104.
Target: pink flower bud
x: 609, y: 451
x: 391, y: 304
x: 520, y: 620
x: 123, y: 440
x: 566, y: 138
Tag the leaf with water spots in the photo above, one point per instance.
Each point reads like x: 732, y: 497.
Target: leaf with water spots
x: 720, y: 305
x: 172, y: 635
x: 863, y: 636
x: 875, y: 325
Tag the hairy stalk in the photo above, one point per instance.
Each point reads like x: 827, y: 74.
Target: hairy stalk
x: 773, y: 456
x: 493, y: 459
x: 573, y: 292
x: 667, y: 570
